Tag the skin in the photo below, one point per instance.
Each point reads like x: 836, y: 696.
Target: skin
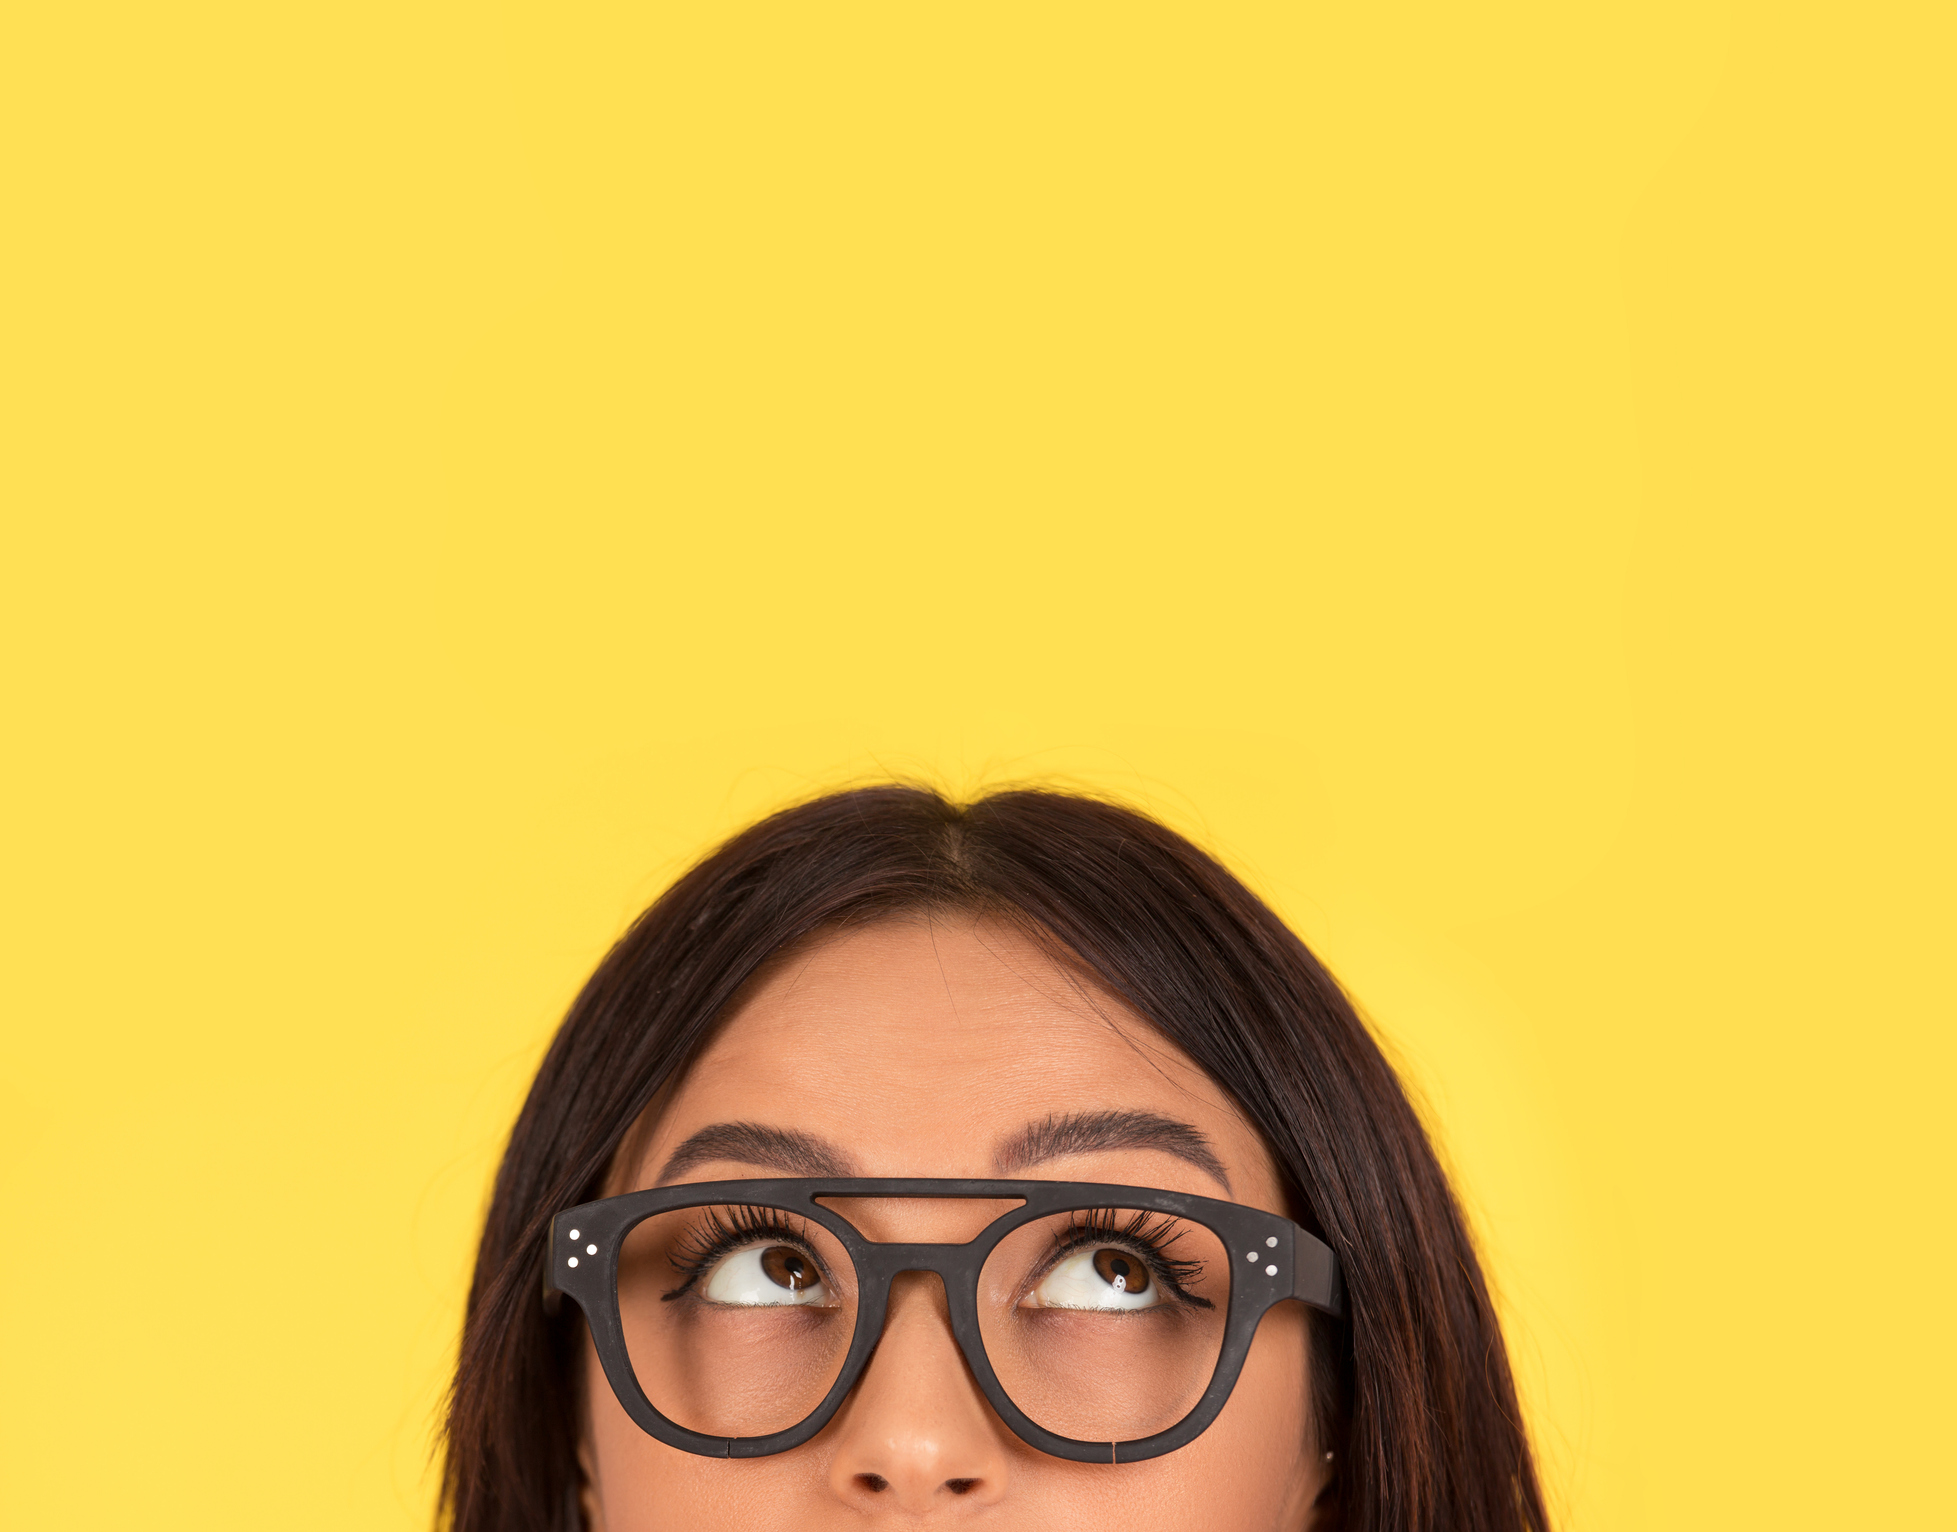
x: 919, y: 1048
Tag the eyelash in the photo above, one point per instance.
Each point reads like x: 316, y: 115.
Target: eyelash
x: 1149, y: 1235
x: 717, y: 1236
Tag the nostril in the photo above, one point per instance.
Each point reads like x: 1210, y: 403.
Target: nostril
x: 961, y: 1486
x: 875, y: 1483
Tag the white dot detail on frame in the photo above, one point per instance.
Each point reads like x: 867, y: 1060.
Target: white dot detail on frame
x: 574, y: 1260
x: 1272, y: 1241
x: 590, y: 1249
x: 1250, y: 1255
x: 574, y: 1234
x: 1270, y: 1271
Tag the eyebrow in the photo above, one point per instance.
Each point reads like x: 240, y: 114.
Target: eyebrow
x: 794, y: 1153
x: 751, y: 1143
x: 1101, y: 1132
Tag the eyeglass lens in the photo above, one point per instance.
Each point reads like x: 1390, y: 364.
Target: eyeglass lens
x: 1102, y: 1324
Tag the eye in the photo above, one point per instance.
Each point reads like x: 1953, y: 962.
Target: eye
x: 1105, y: 1278
x: 769, y: 1276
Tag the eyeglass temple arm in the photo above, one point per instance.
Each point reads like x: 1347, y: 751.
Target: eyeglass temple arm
x: 1315, y: 1275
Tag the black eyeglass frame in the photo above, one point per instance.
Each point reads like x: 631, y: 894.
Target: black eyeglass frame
x: 1280, y: 1261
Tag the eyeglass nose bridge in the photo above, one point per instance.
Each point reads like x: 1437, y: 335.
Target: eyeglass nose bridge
x: 879, y: 1265
x: 956, y: 1266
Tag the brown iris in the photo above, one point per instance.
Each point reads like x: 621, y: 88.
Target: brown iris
x: 1121, y: 1271
x: 788, y: 1268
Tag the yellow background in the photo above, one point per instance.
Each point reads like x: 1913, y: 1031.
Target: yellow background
x: 1483, y: 468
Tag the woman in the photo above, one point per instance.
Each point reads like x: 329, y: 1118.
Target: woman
x: 917, y: 1163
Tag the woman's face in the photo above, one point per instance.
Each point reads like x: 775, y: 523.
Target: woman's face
x: 920, y: 1048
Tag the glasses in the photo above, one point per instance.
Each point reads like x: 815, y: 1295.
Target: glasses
x: 1103, y: 1323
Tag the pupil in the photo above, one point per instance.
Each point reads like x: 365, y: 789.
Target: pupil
x: 1120, y: 1271
x: 785, y: 1268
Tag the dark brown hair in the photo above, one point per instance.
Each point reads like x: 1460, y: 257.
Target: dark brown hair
x: 1416, y: 1391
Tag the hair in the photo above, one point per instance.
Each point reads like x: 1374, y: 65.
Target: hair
x: 1413, y: 1389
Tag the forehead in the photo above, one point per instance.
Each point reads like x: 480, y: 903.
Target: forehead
x: 920, y: 1046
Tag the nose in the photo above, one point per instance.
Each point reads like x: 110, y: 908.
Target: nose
x: 916, y: 1435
